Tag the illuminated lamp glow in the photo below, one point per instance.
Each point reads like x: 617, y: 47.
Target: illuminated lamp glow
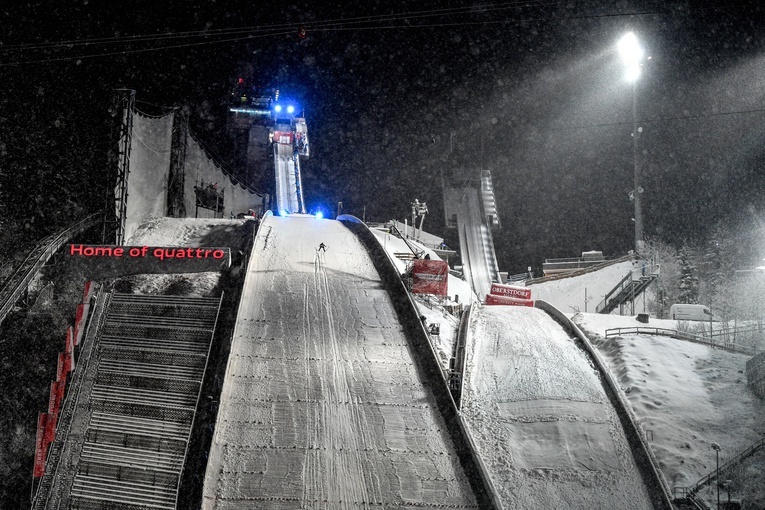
x: 277, y: 108
x: 632, y: 54
x: 290, y: 109
x: 319, y: 215
x: 632, y: 73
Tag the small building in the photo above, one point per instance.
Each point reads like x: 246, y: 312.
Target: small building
x: 566, y: 265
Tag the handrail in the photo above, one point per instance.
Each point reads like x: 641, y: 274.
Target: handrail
x: 16, y: 284
x: 616, y: 290
x: 689, y: 492
x: 460, y: 352
x: 736, y: 330
x: 196, y: 405
x: 518, y: 277
x: 396, y: 232
x: 682, y: 335
x: 571, y: 259
x: 579, y: 272
x: 53, y: 465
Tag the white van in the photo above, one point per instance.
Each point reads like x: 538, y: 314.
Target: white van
x: 690, y: 312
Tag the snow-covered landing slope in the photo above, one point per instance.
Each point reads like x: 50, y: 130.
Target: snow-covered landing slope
x: 542, y: 421
x: 685, y: 395
x: 322, y: 406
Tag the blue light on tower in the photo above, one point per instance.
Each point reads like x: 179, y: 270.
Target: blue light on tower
x: 277, y: 108
x: 290, y: 109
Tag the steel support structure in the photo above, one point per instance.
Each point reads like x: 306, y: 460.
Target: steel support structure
x: 175, y: 188
x: 123, y: 105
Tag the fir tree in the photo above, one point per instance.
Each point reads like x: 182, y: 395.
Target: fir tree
x: 667, y: 275
x: 720, y: 262
x: 689, y: 279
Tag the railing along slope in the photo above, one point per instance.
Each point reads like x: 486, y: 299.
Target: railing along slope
x: 17, y: 282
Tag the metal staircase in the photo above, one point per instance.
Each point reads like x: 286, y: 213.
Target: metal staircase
x: 146, y: 374
x: 626, y: 291
x: 690, y: 494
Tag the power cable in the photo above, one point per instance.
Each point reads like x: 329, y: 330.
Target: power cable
x: 276, y: 27
x: 125, y: 52
x: 336, y: 25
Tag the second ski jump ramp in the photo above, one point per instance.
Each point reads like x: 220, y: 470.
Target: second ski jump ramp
x: 322, y: 404
x: 476, y: 245
x: 542, y: 419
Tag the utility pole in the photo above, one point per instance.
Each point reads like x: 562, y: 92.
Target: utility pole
x: 716, y: 448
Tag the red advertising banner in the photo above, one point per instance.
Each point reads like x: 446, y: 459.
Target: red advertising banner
x: 283, y: 137
x: 50, y: 430
x: 70, y: 360
x: 507, y: 301
x: 40, y: 452
x: 61, y: 389
x: 78, y: 314
x: 60, y: 372
x: 69, y: 342
x: 89, y: 289
x: 499, y: 289
x: 67, y: 363
x: 53, y: 398
x: 57, y: 389
x: 430, y: 277
x: 79, y: 322
x: 69, y: 350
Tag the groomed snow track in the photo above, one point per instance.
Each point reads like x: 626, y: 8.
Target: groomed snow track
x: 329, y: 400
x: 548, y: 419
x: 646, y: 461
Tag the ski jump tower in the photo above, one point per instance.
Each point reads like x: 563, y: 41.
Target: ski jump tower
x: 268, y: 127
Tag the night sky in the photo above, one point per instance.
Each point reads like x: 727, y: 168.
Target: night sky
x: 397, y: 94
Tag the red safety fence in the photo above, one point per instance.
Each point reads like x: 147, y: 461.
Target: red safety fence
x: 40, y: 452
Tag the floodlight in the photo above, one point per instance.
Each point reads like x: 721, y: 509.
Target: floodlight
x: 632, y: 55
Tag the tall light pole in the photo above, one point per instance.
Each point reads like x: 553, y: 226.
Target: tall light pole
x: 632, y: 56
x: 716, y: 448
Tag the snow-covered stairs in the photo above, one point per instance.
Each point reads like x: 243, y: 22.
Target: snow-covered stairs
x: 152, y: 357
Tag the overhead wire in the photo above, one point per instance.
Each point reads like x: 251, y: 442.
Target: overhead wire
x: 354, y: 23
x: 218, y: 36
x: 366, y: 22
x: 278, y: 28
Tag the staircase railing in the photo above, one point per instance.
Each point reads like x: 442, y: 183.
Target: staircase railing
x: 626, y: 290
x: 690, y: 492
x: 613, y: 292
x: 689, y: 498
